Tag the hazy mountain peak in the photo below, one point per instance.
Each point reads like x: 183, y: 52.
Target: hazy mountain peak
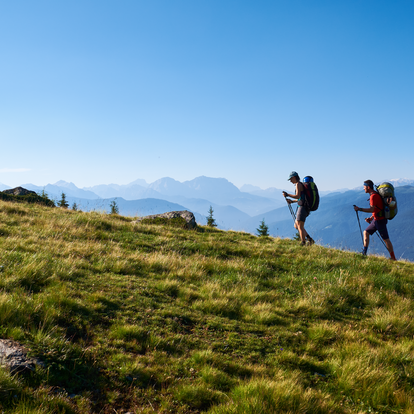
x: 209, y: 183
x: 165, y: 180
x: 3, y: 187
x: 65, y: 184
x: 164, y: 183
x: 247, y: 188
x: 398, y: 182
x: 140, y: 182
x: 167, y: 186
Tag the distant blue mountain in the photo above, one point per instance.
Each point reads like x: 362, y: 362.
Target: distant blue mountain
x: 128, y: 192
x: 140, y: 182
x: 217, y: 191
x: 213, y: 189
x: 56, y: 190
x: 272, y: 192
x: 170, y: 187
x: 227, y: 217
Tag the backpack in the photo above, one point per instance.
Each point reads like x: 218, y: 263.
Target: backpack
x: 387, y: 193
x: 311, y: 193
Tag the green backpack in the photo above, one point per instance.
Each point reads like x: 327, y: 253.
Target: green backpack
x: 387, y: 193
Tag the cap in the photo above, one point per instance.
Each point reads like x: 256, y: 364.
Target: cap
x: 293, y: 174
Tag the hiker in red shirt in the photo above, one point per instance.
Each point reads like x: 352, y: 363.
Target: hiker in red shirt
x: 377, y: 221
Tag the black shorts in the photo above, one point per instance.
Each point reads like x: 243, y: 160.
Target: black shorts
x: 381, y: 226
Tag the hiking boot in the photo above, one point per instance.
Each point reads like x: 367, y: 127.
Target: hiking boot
x: 303, y: 243
x: 310, y: 241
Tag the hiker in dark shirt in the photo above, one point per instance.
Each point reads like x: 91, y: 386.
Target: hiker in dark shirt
x: 377, y: 221
x: 302, y: 211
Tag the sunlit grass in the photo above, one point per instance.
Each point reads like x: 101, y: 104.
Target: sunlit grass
x: 144, y: 318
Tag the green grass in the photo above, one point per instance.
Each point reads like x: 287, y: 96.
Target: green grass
x: 149, y: 318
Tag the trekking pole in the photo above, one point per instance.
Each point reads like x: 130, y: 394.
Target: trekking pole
x: 291, y: 210
x: 382, y: 241
x: 292, y: 213
x: 362, y: 237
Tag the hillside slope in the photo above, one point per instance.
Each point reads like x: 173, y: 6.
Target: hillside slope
x: 145, y: 318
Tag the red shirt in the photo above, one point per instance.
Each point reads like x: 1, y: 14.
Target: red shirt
x: 375, y: 200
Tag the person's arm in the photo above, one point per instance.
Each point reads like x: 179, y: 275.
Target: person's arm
x: 294, y: 196
x: 365, y: 210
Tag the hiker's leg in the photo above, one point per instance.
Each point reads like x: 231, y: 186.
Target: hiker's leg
x: 297, y: 228
x: 366, y: 239
x: 369, y: 231
x: 301, y: 215
x: 390, y: 248
x: 300, y: 226
x: 366, y: 243
x: 305, y: 232
x: 383, y: 231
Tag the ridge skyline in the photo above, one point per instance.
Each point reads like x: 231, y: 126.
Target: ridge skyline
x: 246, y: 188
x: 334, y: 224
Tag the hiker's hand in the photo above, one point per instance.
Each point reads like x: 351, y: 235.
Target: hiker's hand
x: 368, y: 220
x: 289, y: 201
x: 284, y: 194
x: 356, y: 208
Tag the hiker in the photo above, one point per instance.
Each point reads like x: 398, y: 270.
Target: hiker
x: 302, y: 211
x: 377, y: 221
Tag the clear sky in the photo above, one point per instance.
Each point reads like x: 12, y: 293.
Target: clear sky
x: 99, y: 92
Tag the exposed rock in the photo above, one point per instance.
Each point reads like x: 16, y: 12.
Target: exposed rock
x: 22, y: 195
x: 188, y: 216
x: 14, y: 356
x: 19, y: 191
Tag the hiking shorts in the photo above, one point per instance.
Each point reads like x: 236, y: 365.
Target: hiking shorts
x: 302, y: 213
x: 381, y: 226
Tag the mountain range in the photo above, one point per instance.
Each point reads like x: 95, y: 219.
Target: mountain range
x: 334, y: 224
x: 203, y: 191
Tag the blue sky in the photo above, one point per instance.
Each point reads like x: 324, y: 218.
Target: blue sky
x: 98, y: 92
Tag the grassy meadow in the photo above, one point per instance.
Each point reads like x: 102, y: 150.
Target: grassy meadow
x: 146, y: 318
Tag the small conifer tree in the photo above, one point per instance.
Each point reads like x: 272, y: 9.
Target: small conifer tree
x: 114, y: 207
x: 211, y: 222
x: 74, y: 207
x: 44, y: 195
x: 63, y: 202
x: 263, y: 229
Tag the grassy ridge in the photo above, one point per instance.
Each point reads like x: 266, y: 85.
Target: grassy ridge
x: 145, y: 318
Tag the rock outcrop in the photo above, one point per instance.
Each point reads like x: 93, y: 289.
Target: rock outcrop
x: 20, y: 194
x: 14, y: 357
x: 19, y: 191
x: 188, y: 216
